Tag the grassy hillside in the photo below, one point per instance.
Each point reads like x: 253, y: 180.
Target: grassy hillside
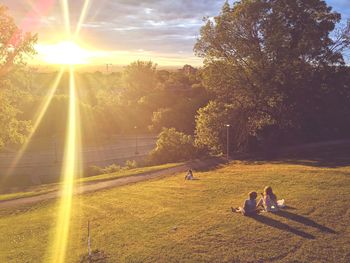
x: 46, y: 188
x: 172, y: 220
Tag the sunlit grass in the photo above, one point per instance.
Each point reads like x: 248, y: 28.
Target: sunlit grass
x: 172, y: 220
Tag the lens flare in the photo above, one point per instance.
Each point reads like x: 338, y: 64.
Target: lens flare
x: 38, y: 118
x: 65, y: 8
x: 71, y: 169
x: 82, y: 16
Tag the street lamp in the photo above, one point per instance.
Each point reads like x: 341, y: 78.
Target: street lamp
x: 227, y: 140
x: 136, y: 151
x: 55, y: 148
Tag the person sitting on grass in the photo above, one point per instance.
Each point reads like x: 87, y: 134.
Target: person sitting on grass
x: 268, y: 200
x: 189, y: 175
x: 249, y: 207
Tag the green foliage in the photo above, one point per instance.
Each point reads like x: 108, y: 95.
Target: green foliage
x: 14, y: 46
x: 13, y: 130
x: 97, y: 170
x: 210, y: 126
x: 111, y: 169
x: 172, y: 146
x: 139, y: 79
x: 269, y: 61
x: 130, y: 164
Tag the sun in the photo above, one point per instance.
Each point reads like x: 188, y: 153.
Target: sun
x: 66, y: 52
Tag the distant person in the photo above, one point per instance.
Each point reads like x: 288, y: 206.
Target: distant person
x: 189, y: 175
x: 249, y: 207
x: 269, y: 200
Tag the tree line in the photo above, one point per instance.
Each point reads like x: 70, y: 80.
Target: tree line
x: 273, y: 70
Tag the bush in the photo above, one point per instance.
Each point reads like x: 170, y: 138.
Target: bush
x: 111, y: 169
x: 130, y: 164
x: 96, y: 170
x: 172, y: 146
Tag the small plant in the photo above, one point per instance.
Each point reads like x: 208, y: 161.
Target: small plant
x: 111, y: 169
x: 130, y: 164
x: 96, y: 170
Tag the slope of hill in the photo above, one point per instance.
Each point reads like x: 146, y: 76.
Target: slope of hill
x: 172, y: 220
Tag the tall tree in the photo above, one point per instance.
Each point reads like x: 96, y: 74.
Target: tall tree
x: 140, y: 78
x: 263, y: 57
x: 14, y: 47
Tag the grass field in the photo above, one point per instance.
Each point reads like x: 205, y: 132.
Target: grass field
x: 46, y: 188
x: 172, y: 220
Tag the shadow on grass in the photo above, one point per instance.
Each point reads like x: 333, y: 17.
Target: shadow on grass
x: 289, y: 207
x: 210, y: 164
x: 304, y: 220
x: 281, y: 226
x: 327, y: 154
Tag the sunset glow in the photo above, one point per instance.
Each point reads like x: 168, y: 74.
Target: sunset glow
x: 174, y: 131
x: 64, y: 53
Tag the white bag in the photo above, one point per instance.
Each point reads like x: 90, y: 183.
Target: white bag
x: 281, y: 203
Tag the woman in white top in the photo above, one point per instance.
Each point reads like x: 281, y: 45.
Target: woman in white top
x: 268, y: 200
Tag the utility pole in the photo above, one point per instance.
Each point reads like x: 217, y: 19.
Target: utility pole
x: 107, y: 67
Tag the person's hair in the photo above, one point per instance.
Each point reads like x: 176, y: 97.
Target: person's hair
x: 190, y: 171
x: 252, y: 195
x: 268, y: 191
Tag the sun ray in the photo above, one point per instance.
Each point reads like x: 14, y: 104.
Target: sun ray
x: 82, y: 17
x: 65, y: 9
x: 38, y: 118
x: 71, y: 168
x: 72, y: 153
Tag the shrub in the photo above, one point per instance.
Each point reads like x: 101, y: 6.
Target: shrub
x: 111, y: 168
x: 172, y: 146
x: 96, y: 170
x: 130, y: 164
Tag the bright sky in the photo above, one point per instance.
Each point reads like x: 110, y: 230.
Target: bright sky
x: 122, y: 31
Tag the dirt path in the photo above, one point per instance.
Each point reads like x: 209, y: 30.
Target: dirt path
x: 96, y: 186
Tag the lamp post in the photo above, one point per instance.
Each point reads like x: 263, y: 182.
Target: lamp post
x: 136, y: 150
x: 227, y: 141
x: 55, y: 148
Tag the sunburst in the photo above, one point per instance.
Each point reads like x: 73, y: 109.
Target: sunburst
x: 72, y: 160
x: 66, y: 53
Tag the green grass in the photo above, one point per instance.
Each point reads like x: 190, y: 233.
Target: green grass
x: 172, y: 220
x: 46, y: 188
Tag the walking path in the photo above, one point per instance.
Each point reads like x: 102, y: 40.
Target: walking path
x: 96, y: 186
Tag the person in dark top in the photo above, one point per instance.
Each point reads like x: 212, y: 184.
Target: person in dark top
x: 249, y: 206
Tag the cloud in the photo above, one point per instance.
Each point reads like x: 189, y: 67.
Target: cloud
x: 157, y: 26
